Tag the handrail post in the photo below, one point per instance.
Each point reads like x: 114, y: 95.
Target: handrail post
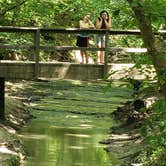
x: 2, y: 98
x: 37, y: 52
x: 106, y: 53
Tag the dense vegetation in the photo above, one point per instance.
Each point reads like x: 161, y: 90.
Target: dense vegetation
x: 67, y: 13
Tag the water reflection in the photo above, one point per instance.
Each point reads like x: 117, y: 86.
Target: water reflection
x: 76, y: 144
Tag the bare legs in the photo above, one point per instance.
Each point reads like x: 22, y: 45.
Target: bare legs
x: 84, y: 56
x: 100, y: 39
x: 100, y: 56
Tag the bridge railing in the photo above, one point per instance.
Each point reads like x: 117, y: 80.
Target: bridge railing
x: 36, y: 47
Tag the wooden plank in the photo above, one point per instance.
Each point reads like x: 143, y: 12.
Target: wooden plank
x: 17, y: 29
x: 128, y: 50
x: 110, y: 49
x: 91, y: 31
x: 2, y: 98
x: 162, y: 31
x: 73, y: 30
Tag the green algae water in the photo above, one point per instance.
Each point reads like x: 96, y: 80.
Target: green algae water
x: 71, y: 117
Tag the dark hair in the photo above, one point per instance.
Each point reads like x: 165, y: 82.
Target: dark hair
x: 104, y: 11
x: 103, y: 26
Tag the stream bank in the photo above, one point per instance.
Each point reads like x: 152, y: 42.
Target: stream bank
x: 126, y: 137
x: 16, y: 116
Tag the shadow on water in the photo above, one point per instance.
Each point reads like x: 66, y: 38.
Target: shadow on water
x: 56, y: 138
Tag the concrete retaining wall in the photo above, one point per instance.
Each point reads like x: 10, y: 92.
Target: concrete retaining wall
x: 17, y: 70
x: 26, y: 70
x: 71, y: 71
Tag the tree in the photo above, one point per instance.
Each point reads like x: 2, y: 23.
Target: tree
x: 158, y: 55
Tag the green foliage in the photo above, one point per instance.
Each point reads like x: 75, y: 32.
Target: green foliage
x: 67, y: 13
x: 136, y: 3
x: 162, y: 76
x: 154, y: 133
x: 141, y: 59
x: 156, y: 13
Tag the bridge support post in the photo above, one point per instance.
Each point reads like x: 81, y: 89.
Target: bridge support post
x: 37, y: 52
x: 106, y: 54
x: 2, y: 98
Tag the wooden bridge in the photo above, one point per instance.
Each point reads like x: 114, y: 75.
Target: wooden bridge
x: 37, y: 68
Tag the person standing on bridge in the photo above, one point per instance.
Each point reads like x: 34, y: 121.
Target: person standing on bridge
x: 83, y: 38
x: 104, y: 21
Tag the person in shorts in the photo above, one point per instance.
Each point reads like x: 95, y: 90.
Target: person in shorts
x: 104, y: 21
x: 82, y: 38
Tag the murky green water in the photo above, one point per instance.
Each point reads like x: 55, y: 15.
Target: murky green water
x: 71, y: 118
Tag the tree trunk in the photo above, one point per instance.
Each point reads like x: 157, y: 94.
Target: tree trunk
x: 157, y: 55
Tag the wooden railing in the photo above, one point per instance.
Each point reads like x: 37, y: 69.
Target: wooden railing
x: 36, y: 47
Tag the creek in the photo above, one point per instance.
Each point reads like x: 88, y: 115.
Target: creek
x: 71, y: 117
